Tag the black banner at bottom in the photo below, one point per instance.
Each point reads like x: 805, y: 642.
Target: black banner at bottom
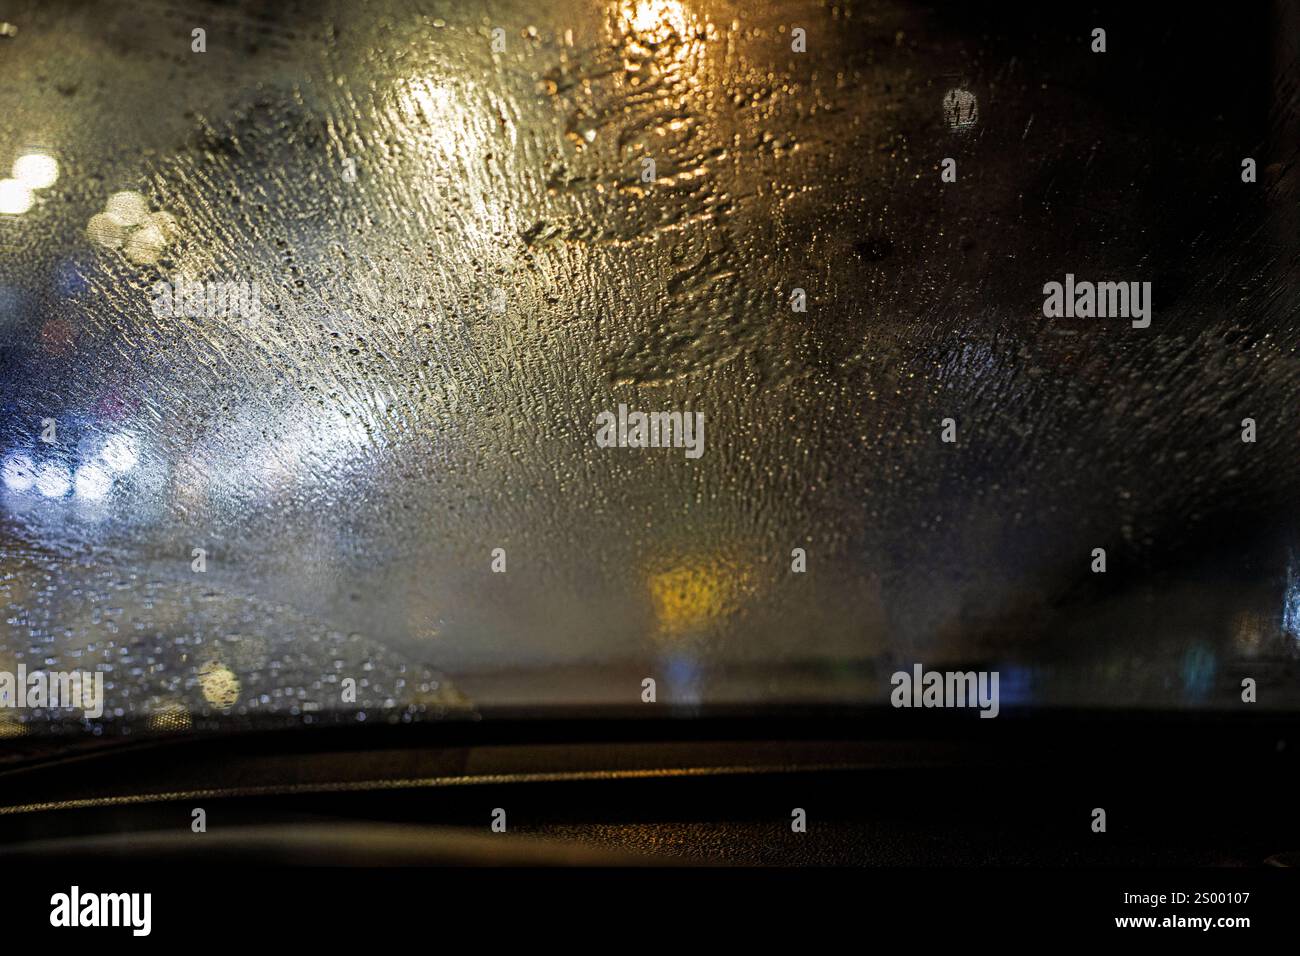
x: 232, y: 906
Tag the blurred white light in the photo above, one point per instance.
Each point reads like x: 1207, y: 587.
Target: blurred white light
x: 15, y: 197
x: 120, y: 452
x: 92, y: 482
x: 53, y: 481
x: 36, y: 170
x: 19, y: 473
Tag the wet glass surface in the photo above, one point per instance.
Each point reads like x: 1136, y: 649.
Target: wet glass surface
x: 446, y: 262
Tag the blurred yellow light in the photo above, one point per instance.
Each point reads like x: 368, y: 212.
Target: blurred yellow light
x: 127, y: 207
x: 655, y: 17
x: 145, y: 245
x: 36, y: 170
x: 106, y: 231
x: 15, y: 197
x: 694, y: 593
x: 219, y: 684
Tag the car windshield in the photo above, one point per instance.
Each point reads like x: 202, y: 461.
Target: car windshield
x: 394, y: 360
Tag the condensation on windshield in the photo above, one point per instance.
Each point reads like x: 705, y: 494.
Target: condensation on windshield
x: 306, y: 336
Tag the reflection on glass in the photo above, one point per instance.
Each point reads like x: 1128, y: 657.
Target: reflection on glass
x: 169, y: 716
